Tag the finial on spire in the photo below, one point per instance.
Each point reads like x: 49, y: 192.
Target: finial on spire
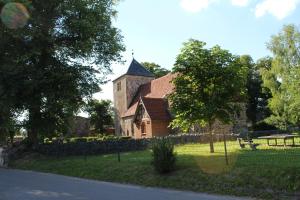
x: 132, y: 53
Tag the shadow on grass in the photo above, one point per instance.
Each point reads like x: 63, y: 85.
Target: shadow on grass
x: 265, y: 173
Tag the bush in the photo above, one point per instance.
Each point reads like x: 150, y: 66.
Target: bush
x: 78, y: 139
x: 164, y: 157
x: 126, y: 138
x: 263, y: 126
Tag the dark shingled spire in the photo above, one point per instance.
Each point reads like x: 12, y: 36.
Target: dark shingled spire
x: 136, y: 69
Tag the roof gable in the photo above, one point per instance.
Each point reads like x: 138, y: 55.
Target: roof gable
x: 155, y: 109
x: 136, y: 69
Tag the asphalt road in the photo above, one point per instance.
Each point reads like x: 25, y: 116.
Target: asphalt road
x: 25, y: 185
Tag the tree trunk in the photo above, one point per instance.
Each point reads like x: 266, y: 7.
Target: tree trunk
x: 32, y: 137
x: 34, y: 120
x: 11, y: 137
x: 211, y: 139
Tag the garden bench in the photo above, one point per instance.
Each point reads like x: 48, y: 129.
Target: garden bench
x: 244, y: 142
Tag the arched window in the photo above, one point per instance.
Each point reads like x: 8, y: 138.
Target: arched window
x: 132, y: 129
x: 143, y: 128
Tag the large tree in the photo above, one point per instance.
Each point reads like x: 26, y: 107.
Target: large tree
x: 208, y: 84
x: 56, y: 61
x: 257, y: 103
x: 283, y: 78
x: 101, y: 114
x: 156, y: 69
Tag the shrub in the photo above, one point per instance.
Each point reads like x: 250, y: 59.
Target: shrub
x: 126, y: 138
x: 78, y: 139
x: 263, y: 126
x: 47, y: 141
x: 163, y: 154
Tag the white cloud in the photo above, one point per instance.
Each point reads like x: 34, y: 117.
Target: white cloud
x: 241, y: 3
x: 195, y: 6
x: 279, y: 8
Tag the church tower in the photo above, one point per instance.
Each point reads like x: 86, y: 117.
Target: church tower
x: 125, y: 88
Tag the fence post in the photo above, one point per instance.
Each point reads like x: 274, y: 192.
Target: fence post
x: 225, y: 148
x: 118, y: 149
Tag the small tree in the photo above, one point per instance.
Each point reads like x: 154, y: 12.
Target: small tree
x: 208, y: 84
x: 101, y: 114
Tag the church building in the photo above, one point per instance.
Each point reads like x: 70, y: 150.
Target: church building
x: 140, y: 102
x: 142, y: 108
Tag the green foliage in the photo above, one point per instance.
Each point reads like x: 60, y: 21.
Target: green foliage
x: 57, y: 60
x: 156, y: 69
x: 257, y: 104
x: 208, y: 84
x: 101, y: 114
x: 8, y: 124
x: 87, y: 139
x: 164, y: 158
x: 263, y: 126
x: 283, y: 78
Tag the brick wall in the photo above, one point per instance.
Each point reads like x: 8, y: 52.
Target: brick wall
x: 148, y: 129
x: 160, y: 128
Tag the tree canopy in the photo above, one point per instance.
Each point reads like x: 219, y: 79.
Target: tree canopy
x: 208, y: 83
x: 283, y: 78
x: 101, y: 114
x: 257, y: 95
x: 156, y: 69
x: 57, y: 60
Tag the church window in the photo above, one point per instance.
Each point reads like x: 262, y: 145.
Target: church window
x: 132, y: 129
x: 118, y: 86
x: 143, y: 127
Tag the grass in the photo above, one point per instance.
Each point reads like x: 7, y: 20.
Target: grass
x: 270, y: 172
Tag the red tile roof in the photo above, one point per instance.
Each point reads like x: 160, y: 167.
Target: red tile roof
x: 156, y: 89
x: 131, y: 110
x: 157, y: 108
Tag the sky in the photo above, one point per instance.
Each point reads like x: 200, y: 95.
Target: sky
x: 155, y: 30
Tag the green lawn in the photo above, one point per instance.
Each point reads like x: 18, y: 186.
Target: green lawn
x: 269, y: 172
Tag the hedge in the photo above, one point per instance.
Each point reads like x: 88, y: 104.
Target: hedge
x: 84, y: 147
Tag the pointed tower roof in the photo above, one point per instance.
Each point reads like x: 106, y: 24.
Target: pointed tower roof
x: 136, y: 69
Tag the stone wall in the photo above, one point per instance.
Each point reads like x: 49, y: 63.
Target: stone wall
x: 238, y: 124
x: 127, y: 123
x: 79, y: 126
x: 114, y: 146
x: 119, y: 103
x: 138, y: 130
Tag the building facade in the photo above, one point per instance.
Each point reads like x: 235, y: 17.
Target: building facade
x: 142, y: 108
